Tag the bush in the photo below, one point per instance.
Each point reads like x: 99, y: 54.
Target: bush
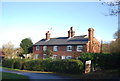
x: 34, y: 65
x: 9, y: 63
x: 108, y: 61
x: 104, y: 61
x: 64, y: 66
x: 19, y: 63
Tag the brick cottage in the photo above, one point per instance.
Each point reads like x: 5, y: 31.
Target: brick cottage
x: 67, y: 47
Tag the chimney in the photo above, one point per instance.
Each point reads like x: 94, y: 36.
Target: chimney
x: 90, y: 38
x: 71, y: 33
x: 47, y: 35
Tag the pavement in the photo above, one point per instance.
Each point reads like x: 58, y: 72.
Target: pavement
x: 38, y: 76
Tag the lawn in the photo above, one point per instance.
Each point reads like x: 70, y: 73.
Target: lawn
x: 13, y: 77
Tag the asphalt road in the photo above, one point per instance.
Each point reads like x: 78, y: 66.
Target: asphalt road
x: 38, y: 76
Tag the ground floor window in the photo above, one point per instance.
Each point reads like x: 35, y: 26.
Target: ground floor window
x: 66, y: 57
x: 44, y: 56
x: 54, y: 56
x: 36, y: 56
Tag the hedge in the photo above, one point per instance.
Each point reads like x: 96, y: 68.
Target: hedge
x: 14, y: 63
x: 104, y: 61
x: 34, y: 65
x: 63, y: 66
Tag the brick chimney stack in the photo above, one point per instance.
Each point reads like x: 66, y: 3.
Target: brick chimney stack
x: 90, y: 38
x: 71, y: 33
x: 47, y: 35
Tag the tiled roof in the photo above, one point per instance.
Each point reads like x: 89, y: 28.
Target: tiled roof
x: 64, y: 41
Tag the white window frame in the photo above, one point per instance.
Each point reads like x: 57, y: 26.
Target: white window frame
x: 68, y: 57
x: 55, y: 56
x: 63, y: 57
x: 36, y: 56
x: 44, y: 48
x: 37, y: 47
x: 55, y: 48
x: 44, y: 56
x: 69, y: 48
x: 80, y: 48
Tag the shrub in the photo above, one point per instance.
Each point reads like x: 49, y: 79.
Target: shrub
x: 9, y: 63
x: 34, y: 65
x: 64, y: 66
x: 19, y: 63
x: 104, y: 61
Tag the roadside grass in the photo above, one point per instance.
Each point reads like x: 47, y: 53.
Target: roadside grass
x: 13, y: 77
x: 103, y: 74
x: 25, y: 70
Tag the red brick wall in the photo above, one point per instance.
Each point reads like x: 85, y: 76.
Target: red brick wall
x: 62, y: 51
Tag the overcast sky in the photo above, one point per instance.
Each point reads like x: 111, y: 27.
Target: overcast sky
x: 32, y: 19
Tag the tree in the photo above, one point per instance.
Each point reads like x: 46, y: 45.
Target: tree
x: 26, y: 45
x: 115, y: 45
x: 49, y: 53
x: 114, y: 9
x: 8, y: 50
x: 105, y: 48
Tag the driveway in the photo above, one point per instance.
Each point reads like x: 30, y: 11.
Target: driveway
x: 38, y: 76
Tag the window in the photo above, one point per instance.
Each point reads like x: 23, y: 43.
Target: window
x: 44, y: 48
x: 37, y: 47
x: 36, y: 56
x: 63, y: 57
x: 79, y: 48
x: 54, y: 56
x: 44, y: 56
x: 55, y: 48
x: 66, y: 57
x: 69, y: 48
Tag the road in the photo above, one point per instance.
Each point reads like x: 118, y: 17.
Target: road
x: 38, y: 76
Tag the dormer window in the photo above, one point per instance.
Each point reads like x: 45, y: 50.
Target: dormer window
x: 69, y: 48
x: 55, y: 48
x: 44, y: 48
x: 37, y: 47
x: 79, y: 48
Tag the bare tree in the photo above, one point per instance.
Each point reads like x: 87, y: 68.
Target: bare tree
x: 8, y: 50
x: 114, y: 5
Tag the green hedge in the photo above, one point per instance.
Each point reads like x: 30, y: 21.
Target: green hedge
x: 14, y: 63
x: 104, y: 61
x: 34, y: 65
x: 9, y: 63
x: 63, y: 66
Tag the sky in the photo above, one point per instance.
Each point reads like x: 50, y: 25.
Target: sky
x: 21, y: 20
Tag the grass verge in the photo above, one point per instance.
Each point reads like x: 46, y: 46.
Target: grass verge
x: 13, y: 77
x: 103, y: 74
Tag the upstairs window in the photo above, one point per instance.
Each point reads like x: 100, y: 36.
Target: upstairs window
x: 37, y: 47
x: 44, y: 48
x: 55, y: 48
x: 69, y: 48
x: 79, y: 48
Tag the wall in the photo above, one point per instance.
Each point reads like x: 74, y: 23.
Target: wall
x: 62, y: 51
